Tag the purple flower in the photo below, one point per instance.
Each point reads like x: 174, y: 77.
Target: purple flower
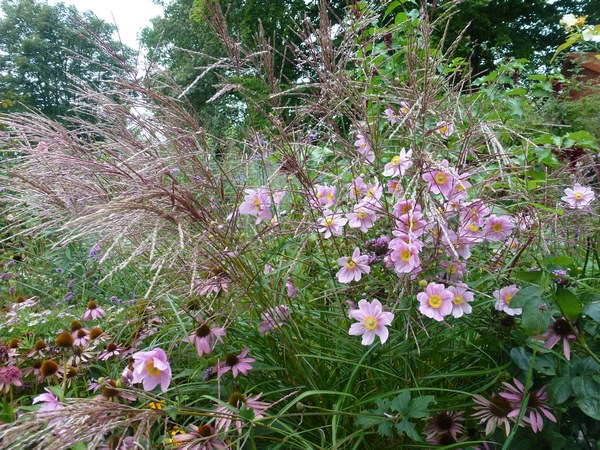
x: 372, y: 321
x: 68, y: 296
x: 399, y: 164
x: 363, y: 217
x: 579, y: 197
x: 535, y: 406
x: 236, y: 363
x: 560, y: 330
x: 461, y: 299
x: 445, y: 129
x: 95, y: 252
x: 202, y: 438
x: 498, y: 228
x: 10, y: 376
x: 205, y: 338
x: 503, y: 298
x: 331, y: 224
x: 353, y: 267
x: 151, y: 369
x: 444, y: 423
x: 273, y: 318
x: 93, y: 311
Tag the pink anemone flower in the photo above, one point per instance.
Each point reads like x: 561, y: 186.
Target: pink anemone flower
x: 151, y: 369
x: 460, y: 301
x: 372, y: 321
x: 436, y: 301
x: 579, y: 197
x: 353, y: 267
x: 503, y: 298
x: 331, y: 224
x: 399, y: 164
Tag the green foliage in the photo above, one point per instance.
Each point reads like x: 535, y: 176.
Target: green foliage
x: 43, y: 50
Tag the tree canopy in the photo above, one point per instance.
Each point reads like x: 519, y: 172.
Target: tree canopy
x: 43, y: 48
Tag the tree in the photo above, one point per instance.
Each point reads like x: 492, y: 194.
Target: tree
x: 497, y: 29
x: 43, y: 49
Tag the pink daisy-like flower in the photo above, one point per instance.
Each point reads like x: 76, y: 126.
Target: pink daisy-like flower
x: 331, y: 224
x: 445, y: 129
x: 454, y: 270
x: 353, y: 267
x: 461, y: 299
x: 436, y: 301
x: 325, y: 196
x: 394, y: 187
x: 474, y: 211
x: 81, y: 337
x: 412, y: 224
x: 373, y: 193
x: 579, y: 197
x: 405, y: 207
x: 363, y: 146
x: 10, y: 376
x: 372, y: 321
x: 498, y: 228
x: 440, y: 181
x: 151, y: 369
x: 49, y: 403
x: 358, y: 188
x: 236, y: 363
x: 404, y: 255
x: 493, y: 412
x: 205, y: 338
x: 503, y: 298
x: 399, y: 164
x: 93, y: 311
x: 560, y: 330
x: 444, y: 423
x: 109, y: 351
x: 363, y: 217
x: 390, y: 115
x: 257, y: 203
x: 535, y: 406
x: 273, y: 319
x: 228, y: 414
x: 203, y: 437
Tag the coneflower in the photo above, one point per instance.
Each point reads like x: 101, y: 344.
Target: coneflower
x: 493, y: 412
x: 93, y: 312
x: 76, y: 325
x: 535, y: 406
x: 236, y: 363
x: 225, y: 415
x: 95, y: 333
x: 560, y: 330
x: 49, y: 368
x: 444, y: 423
x: 10, y: 376
x: 65, y: 340
x: 202, y: 438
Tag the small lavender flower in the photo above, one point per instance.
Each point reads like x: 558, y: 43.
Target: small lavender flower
x: 12, y: 290
x: 71, y: 283
x: 5, y: 276
x: 95, y: 252
x: 378, y: 246
x: 116, y: 300
x: 69, y: 295
x: 59, y: 270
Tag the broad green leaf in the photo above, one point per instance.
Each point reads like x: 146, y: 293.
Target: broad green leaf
x: 401, y: 403
x: 536, y: 314
x: 592, y: 310
x: 585, y: 387
x: 590, y: 406
x: 528, y: 275
x: 568, y: 303
x: 559, y: 389
x: 408, y: 428
x: 419, y: 407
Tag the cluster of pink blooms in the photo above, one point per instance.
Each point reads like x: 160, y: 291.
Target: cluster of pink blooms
x: 438, y: 301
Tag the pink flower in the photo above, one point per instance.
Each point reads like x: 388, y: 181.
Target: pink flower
x: 394, y: 187
x: 358, y: 188
x: 226, y: 414
x: 273, y: 318
x: 290, y: 288
x: 404, y: 255
x: 474, y: 211
x: 503, y: 298
x: 579, y: 197
x: 331, y: 224
x: 93, y: 311
x: 151, y: 369
x: 399, y: 164
x: 404, y: 207
x: 372, y: 321
x: 258, y: 203
x: 353, y: 267
x: 498, y: 228
x: 445, y: 129
x: 560, y: 330
x: 363, y: 146
x: 202, y: 438
x: 325, y: 196
x: 390, y: 115
x: 363, y: 217
x: 205, y: 338
x: 10, y: 376
x: 494, y: 412
x: 440, y: 181
x: 49, y: 402
x: 461, y: 298
x: 444, y: 423
x: 454, y: 270
x: 412, y: 224
x: 535, y: 406
x: 435, y: 302
x: 373, y: 193
x: 237, y: 364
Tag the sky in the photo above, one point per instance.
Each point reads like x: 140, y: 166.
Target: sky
x: 130, y: 16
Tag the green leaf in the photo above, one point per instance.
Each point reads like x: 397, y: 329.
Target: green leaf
x: 592, y: 310
x: 590, y: 406
x: 419, y: 407
x: 528, y: 275
x: 559, y: 389
x: 585, y: 387
x: 408, y: 428
x: 521, y: 358
x: 568, y: 303
x: 536, y: 315
x: 401, y: 403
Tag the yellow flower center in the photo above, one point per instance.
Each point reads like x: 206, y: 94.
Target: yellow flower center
x: 330, y: 196
x: 405, y: 255
x: 361, y: 214
x: 319, y: 195
x: 458, y: 299
x: 370, y: 323
x: 444, y: 129
x: 508, y: 298
x: 435, y: 301
x: 350, y: 265
x: 441, y: 178
x: 497, y: 227
x: 151, y: 369
x: 473, y: 227
x: 578, y: 195
x: 452, y: 269
x: 395, y: 160
x: 328, y: 221
x: 406, y: 208
x: 370, y: 192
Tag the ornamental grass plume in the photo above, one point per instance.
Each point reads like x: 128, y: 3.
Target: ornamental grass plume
x: 151, y: 369
x: 372, y: 321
